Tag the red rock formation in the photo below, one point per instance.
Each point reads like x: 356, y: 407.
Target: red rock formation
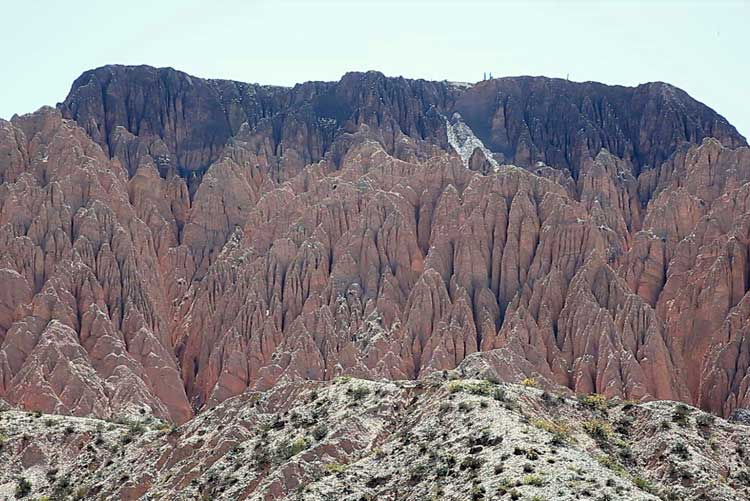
x: 186, y: 240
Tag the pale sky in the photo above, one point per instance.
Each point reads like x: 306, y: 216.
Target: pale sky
x: 701, y: 47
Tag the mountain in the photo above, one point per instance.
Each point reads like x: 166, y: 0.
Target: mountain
x: 354, y: 439
x: 169, y: 242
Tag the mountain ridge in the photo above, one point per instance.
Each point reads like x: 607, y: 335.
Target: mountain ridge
x: 171, y: 242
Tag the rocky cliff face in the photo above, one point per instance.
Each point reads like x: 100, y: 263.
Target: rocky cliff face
x: 168, y: 242
x: 354, y: 439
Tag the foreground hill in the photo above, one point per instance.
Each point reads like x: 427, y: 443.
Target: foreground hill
x: 357, y: 439
x: 168, y: 242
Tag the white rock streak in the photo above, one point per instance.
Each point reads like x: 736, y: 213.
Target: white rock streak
x: 463, y: 140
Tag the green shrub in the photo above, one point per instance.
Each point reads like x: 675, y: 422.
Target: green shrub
x: 680, y: 450
x: 705, y: 421
x: 358, y: 392
x: 530, y: 382
x: 598, y: 429
x: 644, y: 485
x: 320, y: 432
x: 292, y: 449
x: 500, y: 395
x: 535, y: 480
x: 464, y: 406
x: 560, y: 431
x: 612, y: 464
x: 483, y: 388
x: 680, y: 414
x: 471, y: 463
x: 23, y: 488
x: 595, y: 401
x: 334, y: 468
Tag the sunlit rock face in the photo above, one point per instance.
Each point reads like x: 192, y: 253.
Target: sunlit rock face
x: 168, y: 242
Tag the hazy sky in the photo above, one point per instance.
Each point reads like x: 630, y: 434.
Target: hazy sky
x: 701, y: 47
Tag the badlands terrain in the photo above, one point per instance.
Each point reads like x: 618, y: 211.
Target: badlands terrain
x: 191, y: 270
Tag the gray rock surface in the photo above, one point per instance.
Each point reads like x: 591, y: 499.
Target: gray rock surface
x: 355, y: 439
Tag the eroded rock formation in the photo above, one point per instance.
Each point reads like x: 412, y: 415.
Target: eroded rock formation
x: 168, y: 242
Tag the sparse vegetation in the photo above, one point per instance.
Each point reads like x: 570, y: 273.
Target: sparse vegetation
x: 500, y: 395
x: 598, y: 429
x: 705, y: 421
x: 483, y: 388
x: 614, y: 465
x: 595, y: 401
x: 530, y: 382
x: 464, y: 406
x: 534, y: 480
x: 358, y: 392
x: 680, y: 414
x: 23, y: 488
x: 471, y: 463
x: 293, y: 448
x: 680, y: 450
x: 560, y: 431
x: 320, y: 432
x: 334, y: 468
x: 644, y: 485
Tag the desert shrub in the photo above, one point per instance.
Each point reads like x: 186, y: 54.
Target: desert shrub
x: 320, y: 432
x: 471, y: 463
x: 680, y: 450
x: 483, y: 388
x: 23, y: 488
x: 623, y: 425
x: 62, y: 487
x: 594, y: 401
x: 358, y: 392
x: 293, y: 448
x: 628, y: 405
x: 598, y: 429
x: 535, y: 480
x: 334, y: 468
x: 532, y: 454
x: 680, y: 414
x: 530, y: 382
x: 486, y: 439
x: 477, y: 492
x: 644, y: 485
x: 464, y: 406
x: 705, y: 421
x: 743, y: 477
x: 560, y: 431
x: 612, y: 464
x: 80, y: 493
x: 500, y: 395
x: 418, y: 473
